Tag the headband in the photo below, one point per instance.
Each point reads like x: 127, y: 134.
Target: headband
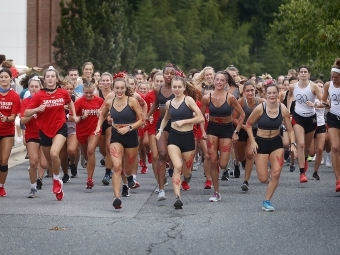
x: 337, y: 70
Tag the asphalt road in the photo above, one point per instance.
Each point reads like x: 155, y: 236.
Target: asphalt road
x: 306, y: 220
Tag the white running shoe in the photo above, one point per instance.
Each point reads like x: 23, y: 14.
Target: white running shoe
x: 329, y: 160
x: 161, y: 195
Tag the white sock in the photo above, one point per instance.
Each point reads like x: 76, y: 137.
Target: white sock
x: 2, y: 185
x: 34, y: 185
x: 134, y: 176
x: 56, y: 177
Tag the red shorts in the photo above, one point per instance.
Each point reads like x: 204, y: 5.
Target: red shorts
x: 82, y: 139
x: 141, y: 131
x: 151, y: 127
x: 197, y: 132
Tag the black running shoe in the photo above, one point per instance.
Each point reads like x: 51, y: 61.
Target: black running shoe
x: 131, y: 181
x: 102, y: 161
x: 316, y: 176
x: 237, y: 171
x: 244, y: 164
x: 178, y: 203
x: 39, y: 183
x: 117, y: 203
x: 65, y: 178
x: 74, y: 170
x: 170, y: 172
x: 225, y: 175
x: 245, y: 186
x: 125, y: 191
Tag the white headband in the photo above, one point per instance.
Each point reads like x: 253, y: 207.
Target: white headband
x: 337, y: 70
x: 51, y: 68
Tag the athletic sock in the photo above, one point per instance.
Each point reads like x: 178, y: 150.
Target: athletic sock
x: 302, y: 170
x: 33, y: 185
x: 56, y: 176
x: 107, y: 171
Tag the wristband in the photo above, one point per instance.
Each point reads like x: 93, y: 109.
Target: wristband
x: 160, y: 130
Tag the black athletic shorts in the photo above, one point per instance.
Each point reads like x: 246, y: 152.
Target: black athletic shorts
x: 185, y: 141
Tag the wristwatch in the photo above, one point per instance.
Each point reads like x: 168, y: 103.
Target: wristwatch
x: 236, y: 132
x: 130, y: 128
x: 293, y: 144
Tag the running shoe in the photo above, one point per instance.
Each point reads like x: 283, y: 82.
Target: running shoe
x: 215, y: 197
x: 303, y: 178
x: 136, y: 186
x: 165, y: 181
x: 267, y: 206
x: 322, y: 161
x: 106, y: 180
x: 89, y: 183
x: 157, y: 189
x: 170, y: 172
x: 33, y: 193
x: 48, y: 173
x: 237, y: 172
x: 131, y: 181
x: 60, y: 195
x: 329, y: 160
x: 316, y: 176
x: 292, y: 168
x: 245, y: 186
x: 65, y: 178
x: 161, y: 195
x: 306, y: 165
x: 26, y: 157
x: 83, y: 162
x: 185, y: 185
x: 310, y: 159
x: 141, y: 164
x: 3, y: 192
x: 178, y: 203
x: 74, y: 170
x: 337, y: 187
x: 144, y: 170
x: 57, y: 186
x: 243, y: 163
x: 102, y: 162
x: 39, y: 183
x: 208, y: 184
x: 149, y: 158
x: 125, y: 191
x: 117, y: 203
x: 225, y: 175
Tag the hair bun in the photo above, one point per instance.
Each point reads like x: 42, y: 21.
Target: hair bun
x: 337, y: 62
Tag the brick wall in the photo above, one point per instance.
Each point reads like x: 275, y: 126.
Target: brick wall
x: 43, y: 17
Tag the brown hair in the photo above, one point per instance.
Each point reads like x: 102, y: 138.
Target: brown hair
x: 336, y: 63
x: 228, y: 77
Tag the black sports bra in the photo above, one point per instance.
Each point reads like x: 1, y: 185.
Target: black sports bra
x: 183, y: 112
x: 223, y: 111
x: 125, y: 116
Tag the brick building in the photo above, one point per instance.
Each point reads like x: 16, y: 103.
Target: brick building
x: 30, y: 28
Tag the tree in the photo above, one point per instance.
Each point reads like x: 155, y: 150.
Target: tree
x: 75, y: 36
x: 104, y: 36
x: 308, y: 32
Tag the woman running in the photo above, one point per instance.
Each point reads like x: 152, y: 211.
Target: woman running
x: 48, y: 105
x: 248, y: 103
x: 332, y: 91
x: 9, y: 108
x: 104, y: 143
x: 304, y: 116
x: 87, y: 109
x: 37, y: 160
x: 181, y: 143
x: 268, y: 146
x: 220, y: 128
x: 164, y: 94
x: 127, y: 118
x: 318, y: 143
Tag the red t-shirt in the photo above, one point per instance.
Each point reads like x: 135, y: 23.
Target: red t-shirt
x: 150, y: 100
x: 32, y: 130
x: 87, y: 126
x: 9, y: 104
x: 53, y: 118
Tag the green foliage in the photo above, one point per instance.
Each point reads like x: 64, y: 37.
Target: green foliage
x: 97, y: 31
x: 308, y: 32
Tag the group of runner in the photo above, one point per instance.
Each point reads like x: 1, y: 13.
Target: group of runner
x: 171, y: 120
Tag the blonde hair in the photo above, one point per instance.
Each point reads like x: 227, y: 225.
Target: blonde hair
x: 199, y: 79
